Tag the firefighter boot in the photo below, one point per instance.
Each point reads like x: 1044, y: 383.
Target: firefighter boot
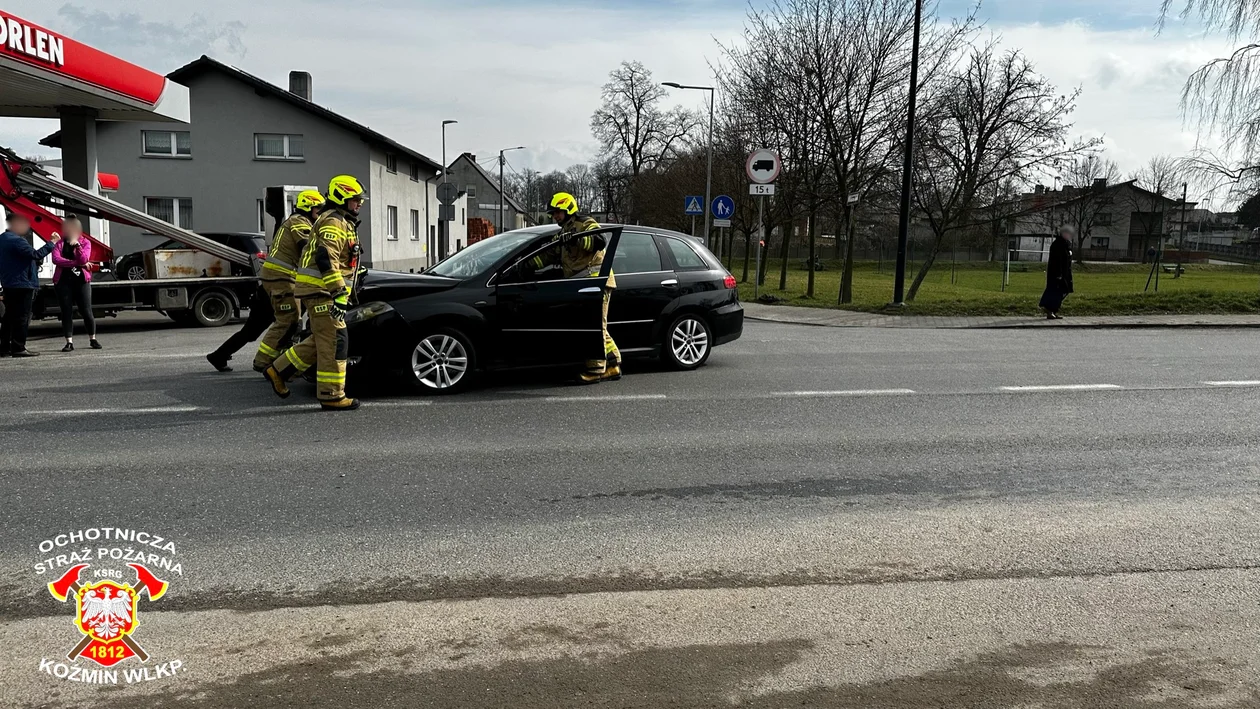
x: 346, y: 404
x: 278, y: 384
x: 612, y: 372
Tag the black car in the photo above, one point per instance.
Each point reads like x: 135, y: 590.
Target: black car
x: 488, y: 308
x: 130, y: 267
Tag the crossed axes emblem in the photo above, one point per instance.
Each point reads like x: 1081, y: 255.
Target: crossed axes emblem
x: 68, y: 585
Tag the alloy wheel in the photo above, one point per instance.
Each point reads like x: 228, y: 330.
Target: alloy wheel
x: 439, y: 361
x: 689, y: 341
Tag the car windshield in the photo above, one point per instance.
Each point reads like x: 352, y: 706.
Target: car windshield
x: 483, y: 255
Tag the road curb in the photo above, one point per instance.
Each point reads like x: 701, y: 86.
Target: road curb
x: 1061, y: 324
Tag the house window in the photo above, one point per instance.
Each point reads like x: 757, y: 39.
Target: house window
x: 1102, y: 219
x: 277, y: 146
x: 262, y: 217
x: 391, y: 162
x: 461, y: 217
x: 415, y: 225
x: 173, y: 210
x: 415, y: 171
x: 1100, y: 242
x: 392, y: 226
x: 167, y: 143
x: 471, y: 191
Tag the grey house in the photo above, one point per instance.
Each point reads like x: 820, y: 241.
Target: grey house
x: 247, y: 134
x: 483, y: 193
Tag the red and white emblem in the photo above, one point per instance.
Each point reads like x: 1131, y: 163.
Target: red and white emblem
x: 106, y: 613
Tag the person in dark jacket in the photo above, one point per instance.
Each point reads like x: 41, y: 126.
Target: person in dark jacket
x: 19, y: 277
x: 1058, y: 274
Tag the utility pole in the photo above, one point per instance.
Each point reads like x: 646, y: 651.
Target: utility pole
x: 502, y: 187
x: 907, y: 167
x: 443, y: 226
x: 708, y: 180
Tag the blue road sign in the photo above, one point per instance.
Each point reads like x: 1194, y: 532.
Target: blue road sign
x: 693, y: 206
x: 723, y: 207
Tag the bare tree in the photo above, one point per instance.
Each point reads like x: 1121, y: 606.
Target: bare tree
x: 634, y: 130
x: 991, y: 121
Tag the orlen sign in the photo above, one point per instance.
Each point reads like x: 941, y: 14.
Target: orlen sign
x: 17, y: 37
x: 64, y: 57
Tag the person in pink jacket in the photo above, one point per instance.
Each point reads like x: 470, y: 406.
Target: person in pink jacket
x: 71, y: 281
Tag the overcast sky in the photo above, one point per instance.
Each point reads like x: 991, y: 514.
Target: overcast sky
x: 529, y: 72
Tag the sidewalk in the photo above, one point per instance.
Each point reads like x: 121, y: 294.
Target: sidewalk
x: 826, y: 317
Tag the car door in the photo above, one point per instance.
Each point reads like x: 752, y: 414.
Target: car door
x: 644, y: 290
x: 543, y: 317
x: 692, y: 273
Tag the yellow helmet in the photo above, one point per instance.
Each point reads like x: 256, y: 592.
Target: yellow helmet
x: 563, y: 202
x: 308, y: 200
x: 344, y: 188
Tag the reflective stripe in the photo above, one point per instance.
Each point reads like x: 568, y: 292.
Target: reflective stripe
x: 279, y: 267
x: 277, y: 263
x: 268, y: 350
x: 330, y: 377
x: 296, y: 361
x: 310, y: 280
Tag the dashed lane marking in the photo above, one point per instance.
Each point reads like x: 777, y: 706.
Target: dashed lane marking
x: 847, y: 392
x: 1063, y: 387
x: 614, y: 397
x: 1239, y: 383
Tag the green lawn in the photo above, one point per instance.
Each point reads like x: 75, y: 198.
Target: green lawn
x: 976, y: 289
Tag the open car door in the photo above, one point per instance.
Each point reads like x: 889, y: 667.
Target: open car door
x: 542, y: 316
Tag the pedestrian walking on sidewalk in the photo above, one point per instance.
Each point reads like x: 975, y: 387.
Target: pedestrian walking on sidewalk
x: 1058, y: 274
x: 19, y: 277
x: 71, y: 281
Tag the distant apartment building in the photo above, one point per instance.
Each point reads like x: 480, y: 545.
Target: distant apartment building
x: 486, y: 199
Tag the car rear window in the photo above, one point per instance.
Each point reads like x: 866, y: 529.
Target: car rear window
x: 636, y: 253
x: 684, y: 256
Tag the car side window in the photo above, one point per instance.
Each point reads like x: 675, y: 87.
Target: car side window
x: 684, y: 256
x: 636, y: 253
x: 528, y: 270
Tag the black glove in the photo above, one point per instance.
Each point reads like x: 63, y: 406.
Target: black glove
x: 340, y: 305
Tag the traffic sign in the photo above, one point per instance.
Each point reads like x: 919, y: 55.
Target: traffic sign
x: 693, y: 206
x: 761, y: 190
x: 722, y: 223
x: 855, y: 197
x: 763, y: 166
x: 447, y: 193
x: 723, y: 207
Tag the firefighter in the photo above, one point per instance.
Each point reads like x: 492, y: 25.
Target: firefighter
x: 279, y: 272
x: 329, y: 259
x: 583, y: 254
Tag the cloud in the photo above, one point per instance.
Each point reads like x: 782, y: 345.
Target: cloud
x: 149, y: 42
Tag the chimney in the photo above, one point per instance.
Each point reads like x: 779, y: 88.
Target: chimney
x: 1100, y: 183
x: 1039, y: 189
x: 300, y: 84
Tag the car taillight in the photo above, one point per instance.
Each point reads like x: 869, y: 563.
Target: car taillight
x: 262, y: 255
x: 729, y: 281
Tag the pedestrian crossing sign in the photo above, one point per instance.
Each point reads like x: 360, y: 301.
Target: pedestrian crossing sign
x: 693, y: 206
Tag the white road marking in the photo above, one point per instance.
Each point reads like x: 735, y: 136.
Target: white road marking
x: 616, y: 397
x: 112, y: 410
x: 848, y: 392
x: 1240, y: 383
x: 1063, y: 387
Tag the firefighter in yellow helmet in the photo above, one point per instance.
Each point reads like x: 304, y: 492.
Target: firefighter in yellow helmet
x: 279, y: 273
x: 328, y: 262
x: 583, y: 253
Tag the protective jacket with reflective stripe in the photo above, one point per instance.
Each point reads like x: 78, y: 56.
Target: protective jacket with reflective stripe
x: 286, y: 249
x: 328, y: 259
x: 582, y: 253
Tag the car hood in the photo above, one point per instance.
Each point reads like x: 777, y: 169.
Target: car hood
x: 392, y: 285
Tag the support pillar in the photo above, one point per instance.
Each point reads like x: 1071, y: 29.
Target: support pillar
x: 78, y: 149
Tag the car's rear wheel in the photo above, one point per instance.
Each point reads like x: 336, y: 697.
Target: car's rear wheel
x: 688, y: 342
x: 135, y: 271
x: 442, y: 362
x: 212, y: 309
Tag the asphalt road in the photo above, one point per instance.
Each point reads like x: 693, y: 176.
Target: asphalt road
x: 820, y: 517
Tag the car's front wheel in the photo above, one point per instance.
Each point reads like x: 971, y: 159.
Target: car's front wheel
x: 688, y: 342
x: 443, y: 361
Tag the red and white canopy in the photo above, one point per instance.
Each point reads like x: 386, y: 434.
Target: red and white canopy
x: 41, y: 71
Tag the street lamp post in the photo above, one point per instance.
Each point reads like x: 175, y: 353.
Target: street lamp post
x: 443, y: 230
x: 708, y: 180
x: 907, y: 177
x: 501, y: 187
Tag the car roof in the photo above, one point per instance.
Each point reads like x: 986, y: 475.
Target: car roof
x: 552, y: 228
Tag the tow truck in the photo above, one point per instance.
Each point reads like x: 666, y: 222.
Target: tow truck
x: 210, y: 301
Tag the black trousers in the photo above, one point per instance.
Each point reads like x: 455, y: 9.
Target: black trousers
x: 260, y: 318
x: 73, y: 295
x: 17, y: 319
